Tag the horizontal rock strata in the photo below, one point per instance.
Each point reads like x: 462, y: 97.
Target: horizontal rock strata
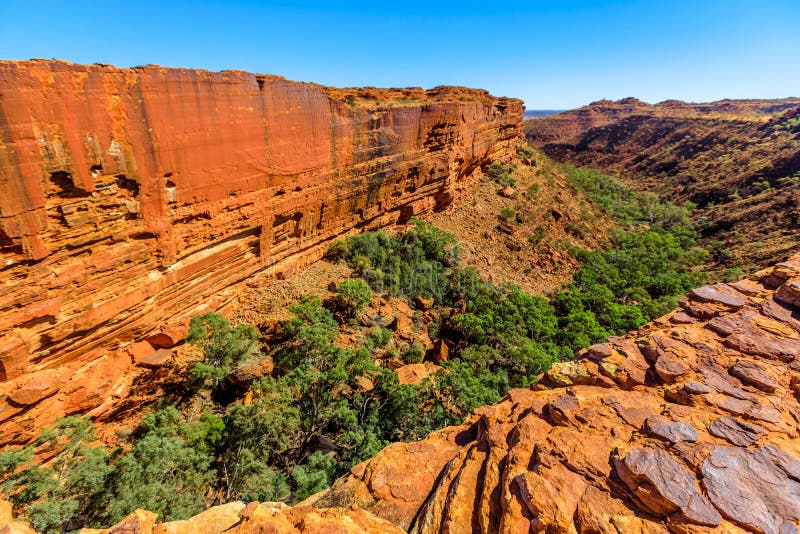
x: 135, y: 198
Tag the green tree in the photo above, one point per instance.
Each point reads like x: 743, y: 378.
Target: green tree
x: 162, y: 473
x: 259, y: 437
x: 353, y: 296
x: 223, y: 346
x: 314, y: 476
x: 63, y: 494
x: 379, y: 337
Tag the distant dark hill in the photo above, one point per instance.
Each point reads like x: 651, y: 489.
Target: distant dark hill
x: 738, y: 160
x: 539, y: 113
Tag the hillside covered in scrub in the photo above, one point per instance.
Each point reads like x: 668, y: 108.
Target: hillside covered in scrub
x: 738, y: 161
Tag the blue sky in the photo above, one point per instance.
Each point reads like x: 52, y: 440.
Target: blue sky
x: 553, y: 55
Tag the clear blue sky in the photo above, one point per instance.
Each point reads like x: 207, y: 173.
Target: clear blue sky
x: 553, y: 55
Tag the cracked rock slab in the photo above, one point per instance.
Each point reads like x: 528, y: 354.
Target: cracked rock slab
x: 757, y: 489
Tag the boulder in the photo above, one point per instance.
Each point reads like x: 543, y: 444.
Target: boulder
x: 415, y: 373
x: 156, y: 359
x: 663, y: 486
x: 34, y: 387
x: 758, y: 489
x: 141, y: 350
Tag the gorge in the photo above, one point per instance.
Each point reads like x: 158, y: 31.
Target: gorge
x: 139, y: 201
x: 136, y: 198
x: 737, y: 160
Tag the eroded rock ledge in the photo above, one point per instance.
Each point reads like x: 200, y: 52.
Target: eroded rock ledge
x: 689, y: 425
x: 135, y: 198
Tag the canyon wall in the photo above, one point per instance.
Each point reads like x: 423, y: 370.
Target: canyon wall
x: 737, y: 160
x: 136, y: 198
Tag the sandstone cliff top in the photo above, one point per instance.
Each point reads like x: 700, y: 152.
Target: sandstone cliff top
x: 359, y: 96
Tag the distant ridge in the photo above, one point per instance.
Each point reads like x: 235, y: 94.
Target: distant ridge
x: 539, y: 113
x: 737, y: 160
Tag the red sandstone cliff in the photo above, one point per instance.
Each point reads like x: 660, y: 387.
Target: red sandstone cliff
x: 135, y: 198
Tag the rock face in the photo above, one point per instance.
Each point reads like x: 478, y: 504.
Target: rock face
x: 256, y: 518
x: 131, y: 196
x: 736, y: 159
x: 690, y: 424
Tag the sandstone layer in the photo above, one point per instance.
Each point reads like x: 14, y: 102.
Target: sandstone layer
x: 136, y: 198
x: 738, y: 160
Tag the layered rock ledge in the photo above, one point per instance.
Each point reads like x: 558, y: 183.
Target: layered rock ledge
x: 690, y: 424
x: 136, y: 198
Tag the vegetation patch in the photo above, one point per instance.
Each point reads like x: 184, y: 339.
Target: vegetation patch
x: 326, y: 404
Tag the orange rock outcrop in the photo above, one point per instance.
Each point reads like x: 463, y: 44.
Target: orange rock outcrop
x: 256, y: 518
x: 135, y: 198
x: 691, y: 424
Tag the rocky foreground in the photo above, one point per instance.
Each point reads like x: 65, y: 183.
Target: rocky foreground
x: 688, y: 425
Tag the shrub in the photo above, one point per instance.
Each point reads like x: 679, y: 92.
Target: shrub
x: 507, y: 214
x: 222, y: 345
x: 502, y: 174
x: 338, y: 250
x: 525, y: 150
x: 353, y: 296
x: 379, y: 337
x: 415, y: 353
x: 537, y: 235
x: 732, y: 274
